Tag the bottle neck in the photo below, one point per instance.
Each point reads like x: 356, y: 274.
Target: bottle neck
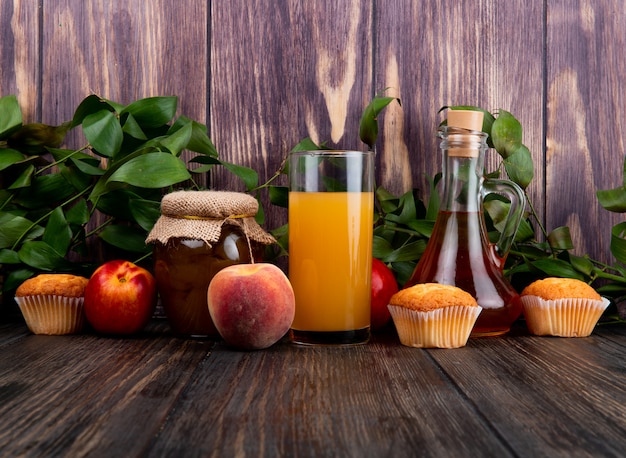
x: 463, y: 153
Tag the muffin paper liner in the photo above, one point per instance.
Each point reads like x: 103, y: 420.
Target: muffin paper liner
x: 52, y: 315
x: 447, y: 327
x: 573, y: 317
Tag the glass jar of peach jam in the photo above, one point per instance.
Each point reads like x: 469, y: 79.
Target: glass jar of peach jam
x: 198, y: 234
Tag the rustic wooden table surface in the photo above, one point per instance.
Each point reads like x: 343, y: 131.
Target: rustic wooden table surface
x: 159, y: 395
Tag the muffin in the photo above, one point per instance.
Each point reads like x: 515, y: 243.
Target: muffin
x: 431, y: 315
x: 52, y: 304
x: 563, y: 307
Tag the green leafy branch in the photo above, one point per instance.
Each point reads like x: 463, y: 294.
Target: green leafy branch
x: 58, y: 205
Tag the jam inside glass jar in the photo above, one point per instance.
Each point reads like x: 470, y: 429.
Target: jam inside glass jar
x: 183, y: 270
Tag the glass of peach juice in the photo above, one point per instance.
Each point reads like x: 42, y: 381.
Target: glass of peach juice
x: 331, y: 214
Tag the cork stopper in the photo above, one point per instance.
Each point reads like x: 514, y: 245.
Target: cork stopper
x: 466, y: 119
x: 461, y: 143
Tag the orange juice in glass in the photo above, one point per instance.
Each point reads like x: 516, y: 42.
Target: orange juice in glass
x: 331, y: 207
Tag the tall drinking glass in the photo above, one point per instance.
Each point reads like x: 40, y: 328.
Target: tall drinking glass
x: 331, y: 211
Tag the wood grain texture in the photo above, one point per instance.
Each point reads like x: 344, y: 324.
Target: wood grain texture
x: 157, y: 395
x: 123, y: 52
x: 324, y: 402
x: 299, y: 69
x: 586, y: 108
x: 80, y: 406
x: 20, y: 51
x: 567, y: 368
x: 434, y: 54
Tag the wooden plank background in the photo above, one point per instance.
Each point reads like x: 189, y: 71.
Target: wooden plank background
x: 265, y: 74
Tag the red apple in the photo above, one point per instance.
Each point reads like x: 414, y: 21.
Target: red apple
x: 384, y: 285
x: 120, y: 298
x: 252, y: 305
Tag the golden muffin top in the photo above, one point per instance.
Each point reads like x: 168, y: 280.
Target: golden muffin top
x: 53, y: 284
x: 431, y: 296
x: 561, y: 288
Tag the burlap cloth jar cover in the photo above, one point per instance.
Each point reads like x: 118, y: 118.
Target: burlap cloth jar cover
x: 200, y: 215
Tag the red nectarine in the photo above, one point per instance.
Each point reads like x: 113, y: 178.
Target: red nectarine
x: 384, y: 285
x: 120, y: 298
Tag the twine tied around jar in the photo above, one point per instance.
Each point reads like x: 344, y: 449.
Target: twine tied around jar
x: 200, y: 215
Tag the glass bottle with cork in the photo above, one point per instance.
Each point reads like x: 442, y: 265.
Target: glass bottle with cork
x: 459, y: 251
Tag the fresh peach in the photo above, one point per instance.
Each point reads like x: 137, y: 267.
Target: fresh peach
x: 252, y: 305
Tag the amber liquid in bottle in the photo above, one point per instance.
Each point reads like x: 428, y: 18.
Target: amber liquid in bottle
x: 459, y: 251
x: 456, y: 255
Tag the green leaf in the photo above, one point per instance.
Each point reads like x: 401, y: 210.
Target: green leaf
x: 506, y: 134
x: 525, y: 231
x: 125, y: 237
x: 89, y: 105
x: 9, y: 257
x: 45, y: 190
x: 199, y: 141
x: 612, y: 290
x: 561, y: 239
x: 408, y: 252
x: 58, y: 233
x: 307, y: 144
x: 41, y: 256
x: 581, y: 264
x: 178, y: 140
x: 152, y: 112
x: 408, y: 211
x: 247, y: 175
x: 434, y: 200
x: 368, y: 126
x: 618, y: 242
x: 75, y: 177
x: 15, y: 278
x: 279, y: 196
x: 9, y: 157
x: 557, y: 268
x: 11, y: 115
x: 403, y: 271
x: 422, y: 227
x: 155, y: 170
x: 613, y: 200
x: 87, y: 167
x: 63, y: 155
x: 132, y: 128
x: 115, y: 203
x: 209, y: 161
x: 34, y: 138
x: 387, y: 201
x: 519, y: 167
x: 260, y: 214
x: 24, y: 179
x: 78, y: 214
x: 14, y: 228
x: 498, y: 211
x: 145, y: 212
x: 381, y: 248
x: 103, y: 132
